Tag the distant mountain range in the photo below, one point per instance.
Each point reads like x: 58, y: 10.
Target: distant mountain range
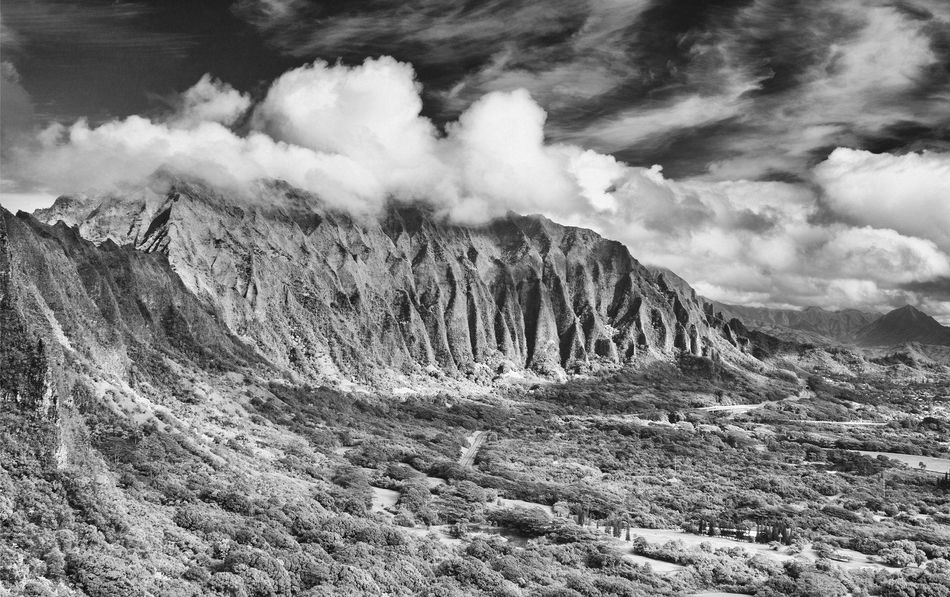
x: 815, y: 325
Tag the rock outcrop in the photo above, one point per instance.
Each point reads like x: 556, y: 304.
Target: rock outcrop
x: 323, y: 294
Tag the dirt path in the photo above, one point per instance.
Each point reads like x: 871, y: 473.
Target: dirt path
x: 468, y: 454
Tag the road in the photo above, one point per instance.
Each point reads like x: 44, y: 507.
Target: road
x: 468, y: 454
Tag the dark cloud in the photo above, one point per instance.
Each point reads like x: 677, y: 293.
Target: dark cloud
x: 105, y: 58
x: 938, y: 289
x: 17, y: 115
x: 735, y: 88
x: 746, y: 219
x: 444, y: 40
x: 747, y: 88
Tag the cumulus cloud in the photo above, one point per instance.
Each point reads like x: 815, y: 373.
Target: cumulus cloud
x: 370, y: 114
x: 759, y: 243
x: 909, y: 193
x: 497, y: 147
x: 353, y: 135
x: 356, y: 137
x: 211, y: 100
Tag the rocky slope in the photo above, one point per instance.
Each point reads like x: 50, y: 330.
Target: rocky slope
x: 325, y: 295
x: 119, y: 310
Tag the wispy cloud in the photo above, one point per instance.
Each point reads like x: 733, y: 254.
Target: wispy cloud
x: 732, y: 90
x: 114, y: 25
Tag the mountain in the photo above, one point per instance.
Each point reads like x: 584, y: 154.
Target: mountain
x: 168, y: 428
x: 903, y: 325
x: 812, y: 325
x: 112, y: 310
x: 318, y: 293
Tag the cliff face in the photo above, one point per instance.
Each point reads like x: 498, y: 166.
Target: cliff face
x: 323, y: 294
x: 64, y: 298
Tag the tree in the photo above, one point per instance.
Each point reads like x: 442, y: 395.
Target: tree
x: 901, y: 554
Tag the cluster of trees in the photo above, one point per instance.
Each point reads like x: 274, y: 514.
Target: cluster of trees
x: 781, y: 532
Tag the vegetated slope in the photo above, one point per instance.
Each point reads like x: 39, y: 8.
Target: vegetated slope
x: 326, y: 295
x: 812, y: 325
x: 902, y: 325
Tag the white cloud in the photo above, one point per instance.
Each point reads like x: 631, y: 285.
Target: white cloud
x: 882, y: 255
x: 369, y: 114
x: 639, y: 125
x: 210, y: 100
x: 758, y: 243
x: 499, y: 152
x: 909, y: 193
x: 355, y: 136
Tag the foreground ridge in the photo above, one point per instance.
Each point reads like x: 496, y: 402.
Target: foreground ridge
x: 326, y: 295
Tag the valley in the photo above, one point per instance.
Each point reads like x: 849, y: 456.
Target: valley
x: 197, y: 410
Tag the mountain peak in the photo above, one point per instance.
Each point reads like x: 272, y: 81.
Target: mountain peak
x: 904, y: 324
x: 908, y: 310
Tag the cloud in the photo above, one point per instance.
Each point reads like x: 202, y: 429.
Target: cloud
x: 353, y: 135
x: 16, y: 118
x: 727, y: 90
x: 435, y: 32
x: 497, y: 149
x: 356, y: 137
x: 9, y: 39
x: 210, y: 100
x: 909, y: 193
x: 369, y: 113
x: 759, y: 243
x: 116, y: 26
x: 646, y: 125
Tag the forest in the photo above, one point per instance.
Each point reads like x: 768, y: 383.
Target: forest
x: 662, y: 480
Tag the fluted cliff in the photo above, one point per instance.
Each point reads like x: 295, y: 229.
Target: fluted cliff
x: 325, y: 294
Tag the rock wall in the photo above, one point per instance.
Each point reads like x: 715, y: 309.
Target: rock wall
x: 322, y: 293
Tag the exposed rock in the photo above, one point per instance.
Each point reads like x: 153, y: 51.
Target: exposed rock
x: 323, y: 294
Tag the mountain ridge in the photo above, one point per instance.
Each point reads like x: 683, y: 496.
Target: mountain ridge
x: 327, y: 295
x: 812, y: 325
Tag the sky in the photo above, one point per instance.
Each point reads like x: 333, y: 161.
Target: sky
x: 771, y: 152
